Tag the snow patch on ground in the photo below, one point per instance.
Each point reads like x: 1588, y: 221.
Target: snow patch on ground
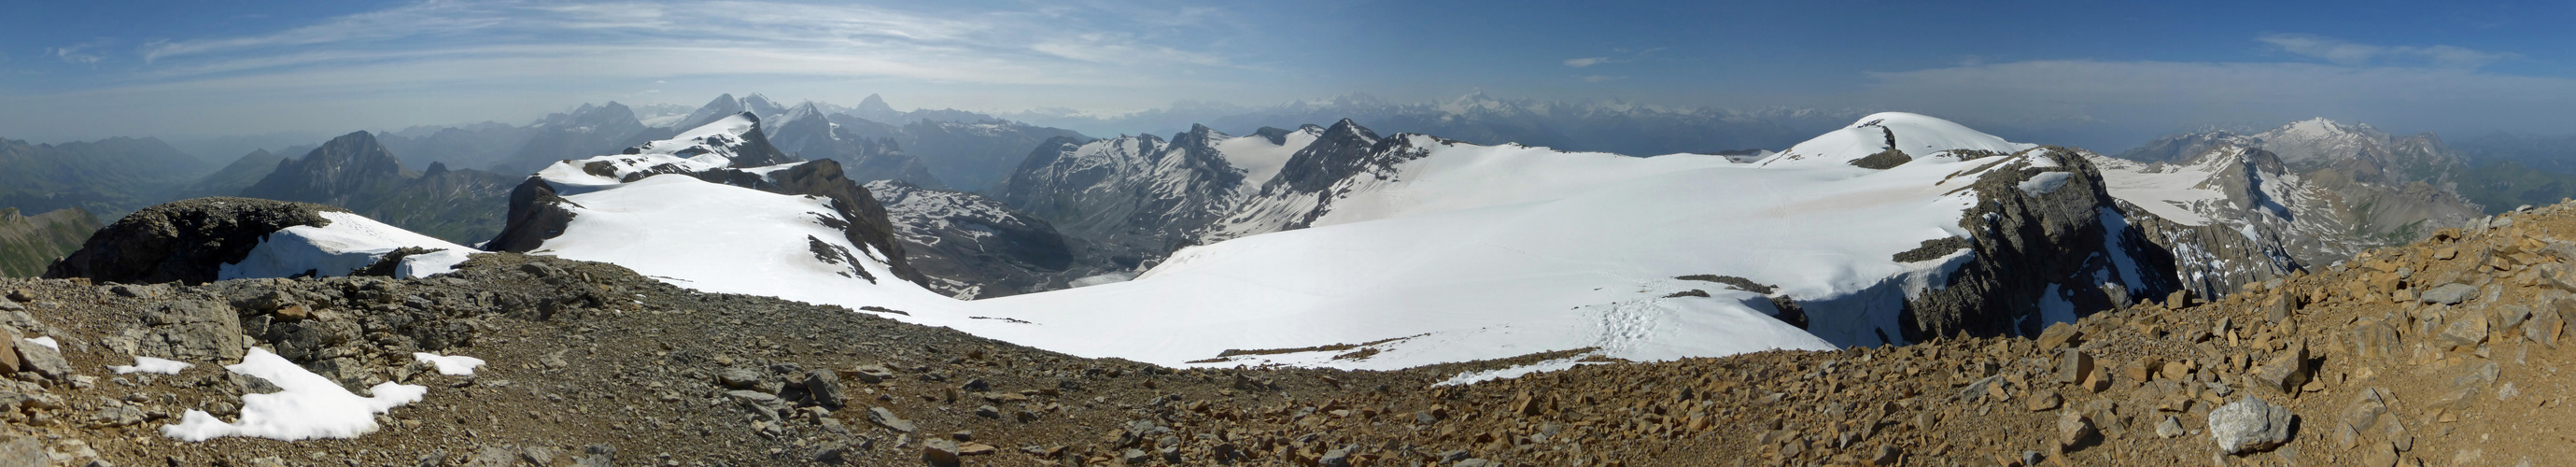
x: 47, y: 341
x: 1474, y: 377
x: 151, y: 365
x: 309, y: 407
x: 456, y: 365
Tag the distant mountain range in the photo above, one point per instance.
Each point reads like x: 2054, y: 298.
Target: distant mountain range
x: 1611, y: 126
x: 30, y: 243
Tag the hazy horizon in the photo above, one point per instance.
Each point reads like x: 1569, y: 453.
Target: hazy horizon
x: 2088, y: 75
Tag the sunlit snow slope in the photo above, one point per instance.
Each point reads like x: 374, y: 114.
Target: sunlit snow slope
x: 1451, y: 252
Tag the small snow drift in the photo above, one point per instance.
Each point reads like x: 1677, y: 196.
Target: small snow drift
x: 451, y: 365
x: 309, y: 407
x: 151, y: 365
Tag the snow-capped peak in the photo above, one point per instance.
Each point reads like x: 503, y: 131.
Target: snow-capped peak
x: 1350, y: 129
x: 2314, y: 128
x: 1915, y: 135
x: 732, y: 141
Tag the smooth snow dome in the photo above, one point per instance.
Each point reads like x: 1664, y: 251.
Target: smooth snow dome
x: 1918, y: 135
x: 151, y: 365
x: 309, y: 407
x: 351, y: 241
x: 722, y: 238
x: 47, y: 341
x: 456, y: 365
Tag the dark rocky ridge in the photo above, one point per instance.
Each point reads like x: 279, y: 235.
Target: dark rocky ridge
x: 2026, y: 244
x: 183, y: 241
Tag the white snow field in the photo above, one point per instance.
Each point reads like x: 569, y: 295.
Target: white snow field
x: 309, y: 407
x: 1467, y: 252
x: 351, y: 241
x: 1471, y: 252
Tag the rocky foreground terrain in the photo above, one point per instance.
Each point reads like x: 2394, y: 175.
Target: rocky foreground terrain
x: 2443, y: 352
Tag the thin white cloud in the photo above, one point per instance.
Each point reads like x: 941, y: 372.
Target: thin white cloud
x: 656, y: 40
x: 2348, y: 53
x: 1585, y: 61
x: 2149, y: 94
x: 79, y: 54
x: 1601, y: 78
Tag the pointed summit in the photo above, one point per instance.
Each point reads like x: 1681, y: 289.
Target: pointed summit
x: 723, y: 106
x: 1347, y: 129
x: 345, y: 166
x: 760, y: 104
x: 874, y: 103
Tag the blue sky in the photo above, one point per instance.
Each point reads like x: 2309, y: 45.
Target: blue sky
x: 2095, y: 73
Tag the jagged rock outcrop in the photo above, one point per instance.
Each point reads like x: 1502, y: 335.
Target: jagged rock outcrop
x: 2044, y: 237
x: 536, y: 213
x: 183, y: 241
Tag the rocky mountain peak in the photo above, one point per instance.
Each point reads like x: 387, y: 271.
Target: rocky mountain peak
x: 331, y: 173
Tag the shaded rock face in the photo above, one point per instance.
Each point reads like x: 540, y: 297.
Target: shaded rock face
x: 1345, y: 150
x: 2214, y: 260
x: 974, y: 247
x: 536, y: 214
x: 1136, y: 198
x: 2073, y: 242
x: 826, y: 179
x: 183, y: 241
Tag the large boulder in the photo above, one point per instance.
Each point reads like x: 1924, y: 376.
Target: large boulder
x: 183, y: 241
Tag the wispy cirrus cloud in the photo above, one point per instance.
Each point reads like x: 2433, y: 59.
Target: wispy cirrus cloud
x: 2349, y: 53
x: 84, y: 53
x: 484, y: 57
x: 1620, y: 55
x: 843, y: 41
